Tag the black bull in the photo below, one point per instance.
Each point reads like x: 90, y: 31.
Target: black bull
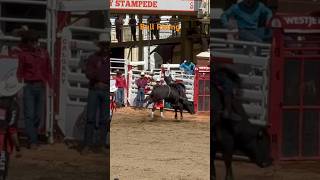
x: 174, y: 94
x: 230, y: 136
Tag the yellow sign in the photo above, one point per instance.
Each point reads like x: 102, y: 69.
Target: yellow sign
x: 143, y: 26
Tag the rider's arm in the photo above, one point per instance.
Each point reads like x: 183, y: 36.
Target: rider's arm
x: 227, y: 14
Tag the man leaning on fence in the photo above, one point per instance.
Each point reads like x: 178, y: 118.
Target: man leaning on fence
x: 34, y: 70
x: 251, y: 17
x: 97, y: 69
x: 141, y: 83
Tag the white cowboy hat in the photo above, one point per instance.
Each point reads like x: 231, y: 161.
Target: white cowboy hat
x: 10, y: 86
x: 142, y: 73
x: 158, y: 80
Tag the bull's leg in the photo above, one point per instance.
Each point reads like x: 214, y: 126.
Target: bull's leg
x: 176, y: 113
x: 152, y: 112
x: 227, y: 144
x: 161, y: 112
x: 148, y: 104
x: 227, y: 161
x: 181, y: 112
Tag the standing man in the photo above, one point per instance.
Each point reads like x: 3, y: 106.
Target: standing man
x: 188, y: 67
x: 121, y: 85
x: 34, y: 69
x: 133, y: 26
x: 141, y: 83
x: 174, y: 23
x: 157, y: 21
x: 151, y: 26
x: 119, y: 26
x: 97, y: 71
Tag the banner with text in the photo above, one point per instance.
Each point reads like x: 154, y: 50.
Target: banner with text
x: 154, y: 5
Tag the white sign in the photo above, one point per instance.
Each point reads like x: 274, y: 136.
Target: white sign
x: 153, y: 5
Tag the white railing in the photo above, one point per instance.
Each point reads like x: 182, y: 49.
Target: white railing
x: 253, y: 69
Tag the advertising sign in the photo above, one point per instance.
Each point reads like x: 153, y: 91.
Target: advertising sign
x: 296, y: 22
x: 154, y: 5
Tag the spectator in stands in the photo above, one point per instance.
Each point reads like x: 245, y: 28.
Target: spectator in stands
x: 174, y: 22
x: 157, y: 21
x: 159, y: 104
x: 121, y: 85
x: 150, y: 24
x: 188, y: 67
x: 142, y: 83
x: 97, y: 71
x: 34, y: 70
x: 133, y: 26
x: 251, y: 17
x: 119, y: 27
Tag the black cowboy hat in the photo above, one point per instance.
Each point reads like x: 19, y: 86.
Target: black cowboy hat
x: 29, y: 36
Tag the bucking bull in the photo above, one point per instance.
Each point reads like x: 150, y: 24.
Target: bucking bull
x: 230, y: 136
x: 173, y: 93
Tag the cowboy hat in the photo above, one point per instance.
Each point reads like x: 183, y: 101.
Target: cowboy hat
x: 29, y: 35
x: 10, y: 86
x: 142, y: 73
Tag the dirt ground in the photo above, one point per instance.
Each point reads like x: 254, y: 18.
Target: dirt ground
x: 166, y: 149
x: 286, y: 171
x: 56, y: 162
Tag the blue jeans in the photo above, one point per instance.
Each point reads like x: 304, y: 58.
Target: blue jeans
x: 96, y: 131
x: 120, y: 96
x: 140, y: 97
x: 34, y: 109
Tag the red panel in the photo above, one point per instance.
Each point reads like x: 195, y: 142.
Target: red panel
x: 299, y: 49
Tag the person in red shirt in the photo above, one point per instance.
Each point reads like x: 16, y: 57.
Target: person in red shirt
x: 121, y: 85
x: 34, y: 70
x: 97, y: 71
x: 142, y: 82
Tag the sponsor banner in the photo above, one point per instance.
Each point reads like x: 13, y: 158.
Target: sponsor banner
x: 154, y: 5
x: 299, y: 22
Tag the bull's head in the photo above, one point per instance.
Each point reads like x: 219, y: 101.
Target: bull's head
x: 188, y: 106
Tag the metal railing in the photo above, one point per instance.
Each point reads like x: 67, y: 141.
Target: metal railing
x: 252, y: 68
